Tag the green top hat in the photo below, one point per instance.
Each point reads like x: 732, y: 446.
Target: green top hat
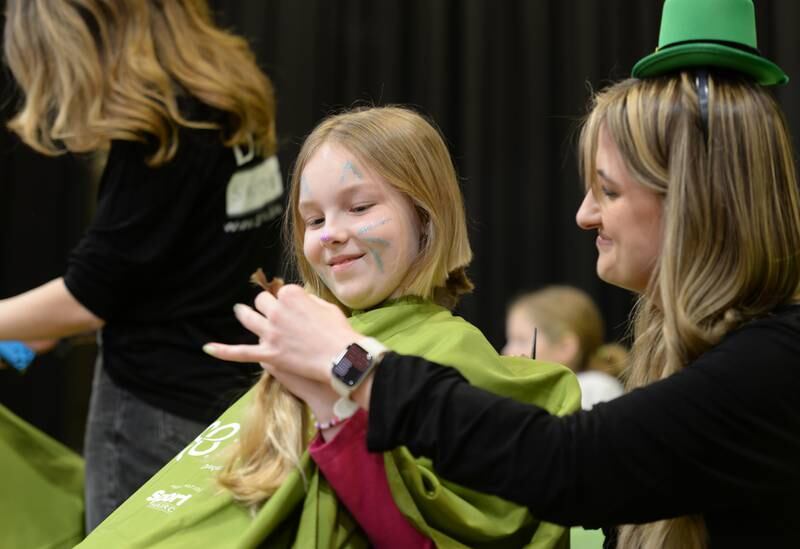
x: 709, y: 33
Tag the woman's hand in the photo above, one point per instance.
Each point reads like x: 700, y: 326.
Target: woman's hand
x: 298, y: 333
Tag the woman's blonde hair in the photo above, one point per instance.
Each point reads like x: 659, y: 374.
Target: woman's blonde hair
x: 406, y: 151
x: 731, y: 225
x: 92, y: 71
x: 562, y: 310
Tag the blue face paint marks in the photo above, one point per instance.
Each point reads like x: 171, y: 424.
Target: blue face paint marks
x: 377, y: 242
x: 349, y: 167
x: 305, y: 188
x: 367, y: 228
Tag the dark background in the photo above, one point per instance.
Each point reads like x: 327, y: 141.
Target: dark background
x: 506, y: 80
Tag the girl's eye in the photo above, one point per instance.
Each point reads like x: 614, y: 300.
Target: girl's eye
x: 315, y: 222
x: 361, y: 208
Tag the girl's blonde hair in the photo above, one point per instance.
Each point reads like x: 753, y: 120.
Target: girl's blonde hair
x: 562, y: 310
x: 731, y: 226
x: 96, y: 70
x: 406, y: 151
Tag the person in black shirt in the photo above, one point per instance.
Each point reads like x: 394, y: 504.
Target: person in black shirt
x: 692, y: 191
x: 188, y: 207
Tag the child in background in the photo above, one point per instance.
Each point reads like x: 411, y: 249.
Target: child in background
x: 569, y: 330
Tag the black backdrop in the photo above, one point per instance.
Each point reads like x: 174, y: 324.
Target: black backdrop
x: 506, y: 80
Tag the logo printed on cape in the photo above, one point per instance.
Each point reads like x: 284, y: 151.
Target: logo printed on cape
x: 167, y: 501
x: 210, y: 439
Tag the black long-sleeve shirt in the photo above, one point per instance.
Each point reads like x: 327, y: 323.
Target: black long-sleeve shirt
x: 169, y: 252
x: 720, y: 438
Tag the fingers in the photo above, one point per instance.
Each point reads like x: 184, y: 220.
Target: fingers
x: 41, y: 346
x: 265, y: 302
x: 290, y: 291
x: 319, y: 301
x: 250, y: 319
x: 235, y: 353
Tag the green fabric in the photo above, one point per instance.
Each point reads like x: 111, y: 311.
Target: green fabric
x: 181, y: 507
x: 586, y: 539
x: 41, y: 499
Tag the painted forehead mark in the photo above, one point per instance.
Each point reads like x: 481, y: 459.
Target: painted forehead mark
x: 368, y: 228
x: 351, y: 168
x: 305, y: 187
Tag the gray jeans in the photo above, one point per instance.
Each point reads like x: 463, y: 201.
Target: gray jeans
x: 127, y: 442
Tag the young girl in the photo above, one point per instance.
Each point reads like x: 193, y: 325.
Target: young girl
x: 569, y: 330
x: 378, y: 228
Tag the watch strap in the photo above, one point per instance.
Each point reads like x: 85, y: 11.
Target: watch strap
x: 344, y: 408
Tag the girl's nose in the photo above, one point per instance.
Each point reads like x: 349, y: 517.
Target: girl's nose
x: 333, y: 234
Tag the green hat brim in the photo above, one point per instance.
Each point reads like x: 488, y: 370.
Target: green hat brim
x: 705, y: 54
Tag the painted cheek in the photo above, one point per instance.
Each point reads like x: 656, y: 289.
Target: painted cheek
x: 376, y: 247
x: 365, y: 229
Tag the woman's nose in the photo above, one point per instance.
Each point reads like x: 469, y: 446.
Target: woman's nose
x: 588, y: 216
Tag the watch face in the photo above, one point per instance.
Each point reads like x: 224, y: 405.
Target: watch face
x: 352, y: 365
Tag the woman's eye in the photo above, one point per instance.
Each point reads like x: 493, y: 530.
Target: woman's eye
x: 608, y: 193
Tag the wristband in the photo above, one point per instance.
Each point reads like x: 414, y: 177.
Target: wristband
x: 333, y: 422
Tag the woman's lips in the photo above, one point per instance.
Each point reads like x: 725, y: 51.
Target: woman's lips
x: 602, y: 241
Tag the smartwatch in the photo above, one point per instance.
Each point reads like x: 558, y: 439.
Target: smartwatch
x: 351, y: 368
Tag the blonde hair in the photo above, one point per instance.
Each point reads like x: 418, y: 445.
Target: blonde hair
x: 731, y: 226
x: 562, y: 310
x: 407, y: 152
x: 97, y: 70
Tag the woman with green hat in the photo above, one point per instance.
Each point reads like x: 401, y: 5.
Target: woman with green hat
x: 692, y: 192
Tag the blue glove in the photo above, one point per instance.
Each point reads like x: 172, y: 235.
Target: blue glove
x: 17, y: 354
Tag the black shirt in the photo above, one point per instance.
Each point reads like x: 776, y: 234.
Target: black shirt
x: 720, y: 438
x: 168, y: 253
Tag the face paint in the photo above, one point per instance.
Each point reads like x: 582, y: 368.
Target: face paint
x: 305, y: 188
x: 361, y: 257
x: 368, y: 228
x: 376, y: 243
x: 349, y: 167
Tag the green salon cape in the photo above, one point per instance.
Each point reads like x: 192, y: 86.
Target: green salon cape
x: 182, y: 507
x: 41, y: 488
